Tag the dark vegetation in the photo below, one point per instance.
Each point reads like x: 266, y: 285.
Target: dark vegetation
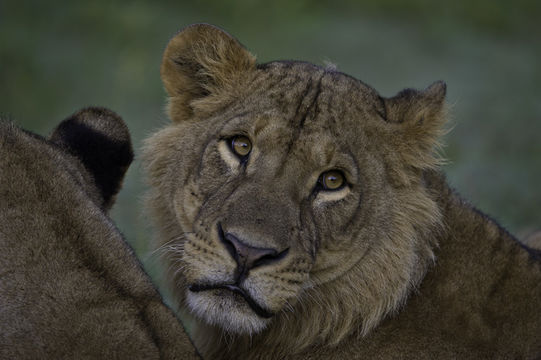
x: 56, y: 57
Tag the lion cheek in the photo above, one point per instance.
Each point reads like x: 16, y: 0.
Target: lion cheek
x: 330, y: 265
x: 187, y: 205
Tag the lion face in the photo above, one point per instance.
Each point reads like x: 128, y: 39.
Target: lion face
x: 269, y: 187
x: 275, y: 180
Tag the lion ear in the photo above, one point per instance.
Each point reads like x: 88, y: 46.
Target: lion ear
x: 419, y: 118
x: 202, y: 60
x: 101, y: 141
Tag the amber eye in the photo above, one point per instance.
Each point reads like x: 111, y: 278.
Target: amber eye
x: 332, y: 180
x: 241, y: 145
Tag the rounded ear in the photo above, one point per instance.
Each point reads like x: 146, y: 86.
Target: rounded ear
x: 199, y: 61
x: 419, y: 117
x: 100, y: 139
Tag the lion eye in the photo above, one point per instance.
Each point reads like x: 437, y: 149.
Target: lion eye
x: 241, y: 146
x: 332, y: 180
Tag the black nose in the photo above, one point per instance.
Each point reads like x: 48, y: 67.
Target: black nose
x: 248, y: 257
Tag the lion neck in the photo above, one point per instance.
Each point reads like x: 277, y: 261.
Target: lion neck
x: 483, y: 289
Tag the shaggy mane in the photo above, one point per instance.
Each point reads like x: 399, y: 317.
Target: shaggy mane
x: 326, y: 312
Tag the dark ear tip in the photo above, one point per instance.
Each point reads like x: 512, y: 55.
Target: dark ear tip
x: 437, y: 89
x: 92, y: 121
x: 98, y: 110
x: 103, y: 120
x: 100, y: 139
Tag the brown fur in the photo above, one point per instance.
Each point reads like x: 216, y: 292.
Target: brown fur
x: 395, y: 264
x: 533, y: 240
x: 70, y: 287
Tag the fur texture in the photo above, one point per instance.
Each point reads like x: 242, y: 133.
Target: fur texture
x: 70, y: 287
x: 270, y: 264
x: 534, y: 240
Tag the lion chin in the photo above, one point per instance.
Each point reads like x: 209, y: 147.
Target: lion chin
x: 228, y: 307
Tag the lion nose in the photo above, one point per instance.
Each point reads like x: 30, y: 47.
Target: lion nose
x: 248, y: 257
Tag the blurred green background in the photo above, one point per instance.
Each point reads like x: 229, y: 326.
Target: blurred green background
x: 59, y: 56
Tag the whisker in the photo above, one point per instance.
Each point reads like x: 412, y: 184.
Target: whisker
x: 173, y: 245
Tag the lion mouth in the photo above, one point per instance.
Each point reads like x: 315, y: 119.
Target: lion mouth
x: 236, y: 290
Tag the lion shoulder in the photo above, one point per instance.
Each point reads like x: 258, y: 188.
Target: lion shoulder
x: 70, y: 285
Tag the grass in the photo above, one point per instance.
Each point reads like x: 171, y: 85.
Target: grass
x: 59, y: 56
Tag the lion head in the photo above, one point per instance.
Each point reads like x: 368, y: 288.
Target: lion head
x: 289, y: 198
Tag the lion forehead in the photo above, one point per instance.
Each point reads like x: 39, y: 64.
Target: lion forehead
x: 298, y: 105
x: 300, y: 91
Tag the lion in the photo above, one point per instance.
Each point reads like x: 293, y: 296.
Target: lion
x: 301, y: 215
x: 533, y: 240
x: 70, y: 286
